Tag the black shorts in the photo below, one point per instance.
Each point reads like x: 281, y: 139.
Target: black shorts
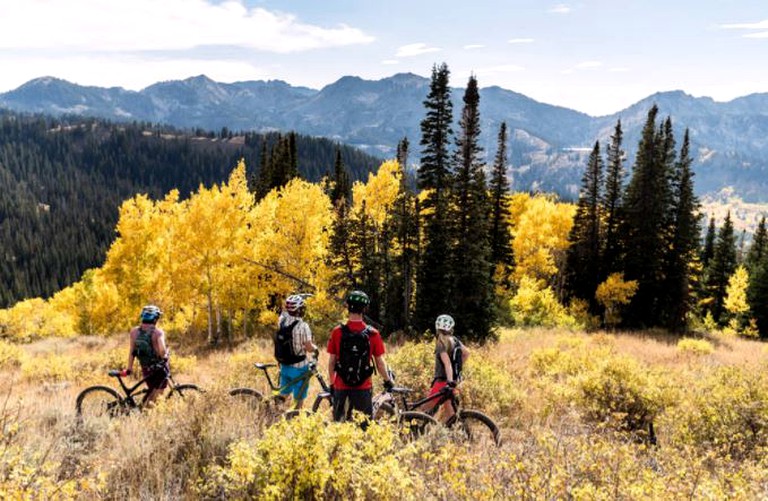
x: 346, y: 401
x: 157, y: 375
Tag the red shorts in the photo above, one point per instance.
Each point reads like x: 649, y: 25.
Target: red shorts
x: 436, y: 387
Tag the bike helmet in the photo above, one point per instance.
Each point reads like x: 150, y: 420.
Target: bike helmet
x: 444, y: 323
x: 357, y: 301
x: 294, y: 303
x: 150, y: 314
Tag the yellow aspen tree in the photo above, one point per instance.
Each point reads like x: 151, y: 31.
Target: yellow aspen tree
x: 541, y: 238
x: 614, y: 293
x: 378, y: 194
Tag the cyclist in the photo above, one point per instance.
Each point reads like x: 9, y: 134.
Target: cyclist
x: 351, y: 349
x: 148, y: 345
x: 292, y: 344
x: 450, y: 355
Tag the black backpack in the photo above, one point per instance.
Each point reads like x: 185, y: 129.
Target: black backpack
x: 284, y: 345
x: 457, y: 361
x: 354, y: 363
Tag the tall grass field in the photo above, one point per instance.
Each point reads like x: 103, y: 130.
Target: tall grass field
x: 583, y: 416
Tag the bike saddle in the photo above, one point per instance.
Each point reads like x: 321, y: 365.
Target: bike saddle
x: 264, y: 366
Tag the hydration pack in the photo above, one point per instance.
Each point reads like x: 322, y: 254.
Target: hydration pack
x: 354, y: 363
x: 284, y: 345
x: 457, y: 361
x: 144, y: 350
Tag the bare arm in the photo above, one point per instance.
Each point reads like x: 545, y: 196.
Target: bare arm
x: 159, y: 342
x: 464, y: 353
x: 331, y: 368
x: 131, y: 348
x: 447, y: 365
x: 381, y: 366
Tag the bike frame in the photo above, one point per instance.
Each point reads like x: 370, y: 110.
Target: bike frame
x: 129, y: 392
x: 444, y: 395
x: 305, y: 378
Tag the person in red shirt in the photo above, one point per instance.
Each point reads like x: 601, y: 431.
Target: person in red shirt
x: 352, y: 348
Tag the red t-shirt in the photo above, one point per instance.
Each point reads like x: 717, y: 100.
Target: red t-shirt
x: 334, y: 344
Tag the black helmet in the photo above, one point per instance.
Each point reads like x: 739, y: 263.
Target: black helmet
x: 357, y: 301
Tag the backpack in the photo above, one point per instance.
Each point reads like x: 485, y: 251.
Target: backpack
x: 457, y: 361
x: 354, y: 363
x: 143, y: 348
x: 284, y: 345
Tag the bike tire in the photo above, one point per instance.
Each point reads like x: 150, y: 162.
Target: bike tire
x: 99, y: 401
x: 250, y: 399
x: 414, y: 425
x: 477, y: 428
x: 185, y: 391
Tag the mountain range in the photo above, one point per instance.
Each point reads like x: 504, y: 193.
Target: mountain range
x: 548, y: 144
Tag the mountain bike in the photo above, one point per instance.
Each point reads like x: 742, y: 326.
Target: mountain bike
x: 97, y: 401
x: 255, y: 399
x: 469, y: 425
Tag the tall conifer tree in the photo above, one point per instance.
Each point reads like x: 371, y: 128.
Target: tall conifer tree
x: 583, y: 256
x: 759, y: 246
x: 708, y: 250
x: 646, y: 210
x: 501, y: 246
x: 685, y: 231
x: 434, y: 278
x: 471, y: 301
x: 721, y: 267
x: 611, y: 205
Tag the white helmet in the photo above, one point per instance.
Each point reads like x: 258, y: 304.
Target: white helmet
x: 444, y: 323
x: 294, y: 303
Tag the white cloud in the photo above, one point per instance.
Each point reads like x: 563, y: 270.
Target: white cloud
x: 762, y: 25
x: 619, y: 70
x: 474, y: 46
x: 144, y: 25
x: 415, y: 49
x: 762, y: 34
x: 390, y: 61
x: 560, y: 9
x: 520, y: 40
x: 588, y: 64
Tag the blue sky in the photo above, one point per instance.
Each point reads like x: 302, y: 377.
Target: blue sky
x: 595, y: 56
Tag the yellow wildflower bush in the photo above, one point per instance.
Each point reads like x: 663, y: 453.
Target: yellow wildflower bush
x: 695, y: 346
x: 49, y: 368
x: 621, y: 392
x: 11, y: 355
x: 414, y: 365
x: 536, y: 304
x: 726, y: 412
x: 305, y: 458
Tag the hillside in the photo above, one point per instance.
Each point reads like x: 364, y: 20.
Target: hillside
x: 548, y: 144
x: 63, y: 180
x: 569, y: 406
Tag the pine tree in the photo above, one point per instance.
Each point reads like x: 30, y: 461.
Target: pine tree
x: 757, y: 295
x: 759, y: 246
x: 432, y: 289
x: 401, y: 227
x: 471, y: 300
x: 342, y: 186
x: 708, y: 250
x: 721, y: 267
x: 685, y: 231
x: 583, y: 256
x: 646, y: 209
x: 500, y: 236
x: 611, y: 205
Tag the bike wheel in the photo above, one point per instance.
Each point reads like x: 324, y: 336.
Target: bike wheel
x: 476, y: 428
x: 99, y: 401
x: 186, y: 391
x: 414, y: 425
x: 247, y: 400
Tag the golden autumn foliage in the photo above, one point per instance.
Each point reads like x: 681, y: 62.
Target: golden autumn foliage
x: 614, y: 293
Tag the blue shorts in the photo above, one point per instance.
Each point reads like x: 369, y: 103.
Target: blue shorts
x: 286, y: 374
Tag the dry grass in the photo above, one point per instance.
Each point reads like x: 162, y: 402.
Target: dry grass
x: 552, y: 449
